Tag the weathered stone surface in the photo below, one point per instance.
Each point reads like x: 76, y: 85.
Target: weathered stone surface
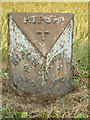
x: 40, y: 52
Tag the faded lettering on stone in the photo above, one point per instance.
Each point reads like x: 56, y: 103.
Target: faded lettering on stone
x: 59, y: 80
x: 17, y: 59
x: 59, y: 68
x: 26, y: 68
x: 48, y: 20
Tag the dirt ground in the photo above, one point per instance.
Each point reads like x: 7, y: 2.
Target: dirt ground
x: 68, y: 106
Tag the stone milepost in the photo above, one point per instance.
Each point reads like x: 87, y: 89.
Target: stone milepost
x: 40, y: 52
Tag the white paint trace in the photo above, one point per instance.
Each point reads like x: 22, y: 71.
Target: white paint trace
x: 63, y: 44
x: 19, y: 42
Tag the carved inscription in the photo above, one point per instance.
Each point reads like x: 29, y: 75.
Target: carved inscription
x: 61, y: 55
x: 26, y: 68
x: 59, y: 68
x: 16, y: 59
x: 34, y: 19
x: 48, y: 20
x: 60, y: 80
x: 43, y: 33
